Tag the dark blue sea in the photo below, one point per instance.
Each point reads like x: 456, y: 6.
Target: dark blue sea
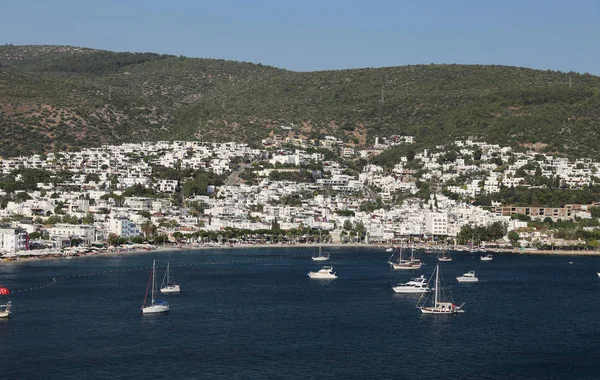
x: 254, y: 314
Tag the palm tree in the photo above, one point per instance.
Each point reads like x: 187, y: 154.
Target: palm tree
x: 148, y: 228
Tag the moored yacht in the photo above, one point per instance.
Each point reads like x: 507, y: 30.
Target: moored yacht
x: 323, y: 273
x: 437, y: 305
x: 487, y: 257
x: 400, y: 263
x: 416, y: 285
x: 468, y: 277
x: 155, y: 306
x: 321, y: 256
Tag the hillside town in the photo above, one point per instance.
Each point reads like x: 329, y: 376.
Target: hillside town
x: 199, y: 193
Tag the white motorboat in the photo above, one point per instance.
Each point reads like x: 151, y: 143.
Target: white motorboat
x: 324, y: 273
x: 487, y: 257
x: 169, y: 286
x: 416, y: 285
x: 437, y: 304
x: 321, y: 256
x: 401, y: 263
x: 5, y: 303
x: 390, y: 249
x: 468, y: 277
x: 155, y: 306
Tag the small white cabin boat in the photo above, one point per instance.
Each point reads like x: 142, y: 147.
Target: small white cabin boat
x: 325, y: 273
x: 468, y: 277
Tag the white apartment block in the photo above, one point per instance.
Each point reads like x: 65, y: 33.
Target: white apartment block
x: 436, y: 223
x: 64, y: 231
x: 123, y: 227
x: 166, y: 186
x: 13, y: 239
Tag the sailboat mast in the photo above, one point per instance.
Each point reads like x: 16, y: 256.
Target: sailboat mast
x: 437, y: 284
x: 153, y: 276
x: 319, y: 243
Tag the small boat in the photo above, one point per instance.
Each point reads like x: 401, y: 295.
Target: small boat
x: 324, y: 273
x: 411, y: 263
x: 445, y: 256
x: 320, y: 256
x: 438, y: 306
x: 416, y: 285
x: 155, y: 306
x: 468, y: 277
x: 487, y: 257
x: 390, y: 249
x: 5, y: 303
x: 169, y: 286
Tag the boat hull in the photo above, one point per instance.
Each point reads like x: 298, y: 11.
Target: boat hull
x: 5, y: 314
x: 445, y: 259
x: 170, y: 290
x: 320, y: 258
x: 154, y: 309
x: 405, y: 266
x: 467, y: 279
x: 440, y: 311
x: 410, y: 290
x: 319, y: 276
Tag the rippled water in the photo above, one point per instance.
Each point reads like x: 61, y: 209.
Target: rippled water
x: 254, y: 314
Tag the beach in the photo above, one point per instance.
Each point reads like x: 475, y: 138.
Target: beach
x: 148, y: 248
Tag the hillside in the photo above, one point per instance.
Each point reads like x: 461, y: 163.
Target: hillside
x: 59, y: 97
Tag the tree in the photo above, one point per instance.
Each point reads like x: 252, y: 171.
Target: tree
x: 513, y: 236
x: 347, y: 225
x: 88, y: 218
x: 22, y: 196
x: 148, y: 228
x: 275, y: 225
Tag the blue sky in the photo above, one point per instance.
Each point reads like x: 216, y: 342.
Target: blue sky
x: 307, y: 35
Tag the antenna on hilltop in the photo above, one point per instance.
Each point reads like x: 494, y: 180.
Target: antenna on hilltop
x: 569, y: 81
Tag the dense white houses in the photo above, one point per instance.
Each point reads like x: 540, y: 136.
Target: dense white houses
x: 101, y: 176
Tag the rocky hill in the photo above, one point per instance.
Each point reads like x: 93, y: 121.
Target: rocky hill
x: 61, y: 97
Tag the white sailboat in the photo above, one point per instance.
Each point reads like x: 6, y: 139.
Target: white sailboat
x: 445, y: 256
x: 169, y: 286
x: 5, y: 303
x: 155, y: 306
x: 438, y: 306
x: 411, y: 263
x: 320, y: 256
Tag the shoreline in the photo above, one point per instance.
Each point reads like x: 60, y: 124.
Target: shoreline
x: 51, y: 255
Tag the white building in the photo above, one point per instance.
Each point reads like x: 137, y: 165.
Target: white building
x: 123, y: 227
x: 13, y: 239
x: 63, y: 231
x: 166, y: 186
x: 436, y: 223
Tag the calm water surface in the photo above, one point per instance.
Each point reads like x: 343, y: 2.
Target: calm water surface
x: 254, y: 314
